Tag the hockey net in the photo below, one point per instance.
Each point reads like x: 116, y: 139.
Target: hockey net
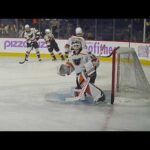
x: 128, y: 77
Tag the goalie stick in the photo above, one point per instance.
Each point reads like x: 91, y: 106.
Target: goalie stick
x: 111, y: 52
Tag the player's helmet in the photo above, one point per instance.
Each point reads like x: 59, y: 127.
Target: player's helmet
x: 47, y: 31
x: 79, y: 31
x: 27, y: 27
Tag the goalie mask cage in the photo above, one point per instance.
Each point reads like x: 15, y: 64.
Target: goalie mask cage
x: 128, y: 77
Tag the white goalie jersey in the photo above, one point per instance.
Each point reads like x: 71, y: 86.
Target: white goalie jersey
x: 79, y: 63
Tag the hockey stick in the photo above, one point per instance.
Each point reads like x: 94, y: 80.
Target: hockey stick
x: 111, y: 52
x: 81, y: 92
x: 22, y: 62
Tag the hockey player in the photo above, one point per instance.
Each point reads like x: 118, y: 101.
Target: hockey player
x: 79, y: 39
x: 31, y: 40
x: 81, y: 62
x: 51, y: 44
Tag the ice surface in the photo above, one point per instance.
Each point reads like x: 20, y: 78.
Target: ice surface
x: 32, y: 99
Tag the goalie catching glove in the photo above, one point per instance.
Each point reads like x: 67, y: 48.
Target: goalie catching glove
x: 65, y: 69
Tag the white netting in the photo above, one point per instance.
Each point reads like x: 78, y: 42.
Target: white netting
x: 130, y: 77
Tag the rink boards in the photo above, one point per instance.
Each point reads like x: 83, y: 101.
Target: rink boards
x: 16, y: 47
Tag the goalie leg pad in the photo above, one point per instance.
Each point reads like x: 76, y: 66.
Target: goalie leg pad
x: 91, y: 89
x: 96, y: 93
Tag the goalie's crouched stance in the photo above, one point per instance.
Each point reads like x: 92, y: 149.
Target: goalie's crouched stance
x: 85, y: 81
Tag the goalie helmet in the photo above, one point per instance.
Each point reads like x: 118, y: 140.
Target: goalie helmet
x: 79, y: 31
x: 76, y: 46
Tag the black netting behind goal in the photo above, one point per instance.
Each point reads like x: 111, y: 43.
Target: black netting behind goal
x: 130, y: 77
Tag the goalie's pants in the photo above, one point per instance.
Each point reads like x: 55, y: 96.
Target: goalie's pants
x: 53, y: 46
x: 92, y: 79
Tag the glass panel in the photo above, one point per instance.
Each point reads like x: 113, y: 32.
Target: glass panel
x: 94, y: 29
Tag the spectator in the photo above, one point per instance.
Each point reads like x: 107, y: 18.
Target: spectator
x: 148, y: 39
x: 35, y: 23
x: 6, y: 28
x: 3, y: 32
x: 54, y: 23
x: 43, y: 25
x: 90, y: 36
x: 12, y: 32
x: 70, y: 30
x: 64, y: 28
x: 21, y: 31
x: 134, y: 38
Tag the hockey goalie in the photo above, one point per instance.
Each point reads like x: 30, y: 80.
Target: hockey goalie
x: 85, y: 68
